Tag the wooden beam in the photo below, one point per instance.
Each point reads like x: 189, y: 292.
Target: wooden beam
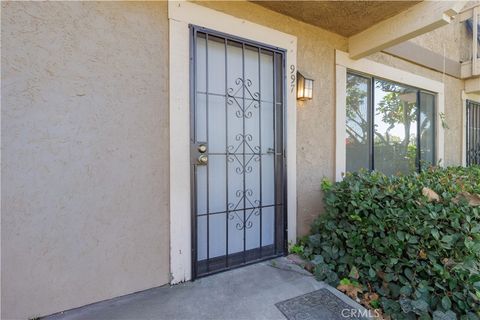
x: 472, y: 85
x: 419, y: 19
x: 467, y: 11
x: 417, y: 54
x: 465, y: 15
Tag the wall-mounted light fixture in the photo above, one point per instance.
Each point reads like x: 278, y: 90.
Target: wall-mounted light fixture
x: 304, y: 87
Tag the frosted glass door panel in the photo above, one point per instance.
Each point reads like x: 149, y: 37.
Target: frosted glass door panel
x: 217, y: 139
x: 216, y: 66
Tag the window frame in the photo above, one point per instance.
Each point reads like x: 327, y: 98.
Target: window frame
x: 371, y: 115
x: 465, y: 98
x: 472, y: 120
x: 372, y: 68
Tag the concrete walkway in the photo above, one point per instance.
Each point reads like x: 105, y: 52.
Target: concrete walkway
x: 244, y: 293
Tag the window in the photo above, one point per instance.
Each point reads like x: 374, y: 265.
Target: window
x: 473, y: 133
x: 389, y: 126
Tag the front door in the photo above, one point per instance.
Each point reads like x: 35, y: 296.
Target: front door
x: 237, y: 151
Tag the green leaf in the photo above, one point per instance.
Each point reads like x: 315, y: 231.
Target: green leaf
x: 470, y: 316
x: 406, y: 290
x: 394, y: 290
x: 372, y: 273
x: 448, y: 239
x: 439, y: 315
x: 413, y: 239
x: 446, y: 303
x: 476, y: 285
x: 419, y: 306
x: 375, y: 304
x: 353, y: 273
x: 390, y: 306
x: 452, y: 283
x: 406, y: 305
x: 326, y: 184
x: 408, y: 273
x: 389, y: 277
x: 317, y: 259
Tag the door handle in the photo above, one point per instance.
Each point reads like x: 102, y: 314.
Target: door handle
x: 202, y: 159
x: 272, y: 151
x: 202, y: 148
x: 199, y: 155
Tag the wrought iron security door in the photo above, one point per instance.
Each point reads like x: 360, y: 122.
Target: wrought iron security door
x: 473, y: 133
x: 238, y: 165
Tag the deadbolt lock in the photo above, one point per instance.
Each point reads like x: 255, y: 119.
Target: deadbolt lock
x: 202, y: 159
x: 202, y: 148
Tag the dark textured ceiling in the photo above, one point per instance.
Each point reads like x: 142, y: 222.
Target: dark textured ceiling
x: 343, y: 17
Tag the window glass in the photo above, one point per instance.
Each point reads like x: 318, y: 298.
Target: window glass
x: 390, y: 127
x: 427, y: 133
x: 357, y: 122
x: 395, y: 142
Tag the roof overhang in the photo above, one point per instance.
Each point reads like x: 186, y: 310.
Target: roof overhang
x: 419, y: 19
x: 345, y: 18
x: 371, y: 26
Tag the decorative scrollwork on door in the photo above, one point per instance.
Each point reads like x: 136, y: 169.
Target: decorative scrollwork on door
x: 241, y: 166
x: 243, y: 140
x: 244, y: 196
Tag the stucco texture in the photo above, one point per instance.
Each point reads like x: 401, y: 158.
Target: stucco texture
x: 84, y: 153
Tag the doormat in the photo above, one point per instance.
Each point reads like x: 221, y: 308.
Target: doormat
x: 319, y: 305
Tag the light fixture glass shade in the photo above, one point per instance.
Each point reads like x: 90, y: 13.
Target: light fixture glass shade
x: 304, y: 87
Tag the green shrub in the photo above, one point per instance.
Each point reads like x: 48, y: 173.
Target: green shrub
x: 421, y: 256
x: 297, y: 249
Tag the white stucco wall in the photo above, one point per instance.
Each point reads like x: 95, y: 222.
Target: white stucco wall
x: 84, y: 153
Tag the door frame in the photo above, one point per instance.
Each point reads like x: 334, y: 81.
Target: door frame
x: 181, y: 14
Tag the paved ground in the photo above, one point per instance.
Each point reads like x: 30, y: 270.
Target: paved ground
x: 245, y: 293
